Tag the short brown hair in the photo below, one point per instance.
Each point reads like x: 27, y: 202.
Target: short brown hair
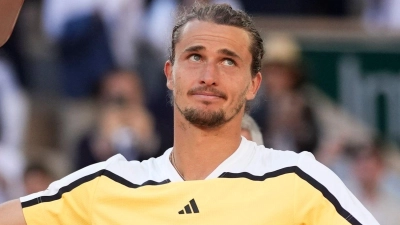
x: 221, y: 14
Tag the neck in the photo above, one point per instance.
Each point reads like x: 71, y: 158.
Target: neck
x: 199, y: 151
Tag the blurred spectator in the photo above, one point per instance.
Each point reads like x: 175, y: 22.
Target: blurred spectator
x: 294, y: 114
x: 286, y: 119
x: 297, y: 7
x: 13, y: 113
x: 36, y: 178
x: 14, y: 53
x: 381, y: 14
x: 369, y: 183
x: 94, y: 36
x: 250, y: 130
x: 123, y: 123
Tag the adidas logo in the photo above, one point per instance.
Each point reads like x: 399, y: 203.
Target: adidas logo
x: 190, y: 208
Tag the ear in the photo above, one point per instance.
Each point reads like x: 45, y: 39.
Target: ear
x: 168, y: 74
x: 254, y: 86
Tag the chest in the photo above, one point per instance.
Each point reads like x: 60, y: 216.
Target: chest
x: 219, y: 201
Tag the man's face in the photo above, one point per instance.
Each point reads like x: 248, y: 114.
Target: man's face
x: 210, y: 78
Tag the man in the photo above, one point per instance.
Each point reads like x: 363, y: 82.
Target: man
x: 211, y: 175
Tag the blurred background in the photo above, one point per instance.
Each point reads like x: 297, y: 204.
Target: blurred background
x: 81, y: 80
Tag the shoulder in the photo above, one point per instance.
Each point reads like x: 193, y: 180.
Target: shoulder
x: 136, y: 172
x: 271, y: 159
x: 304, y: 165
x: 116, y: 168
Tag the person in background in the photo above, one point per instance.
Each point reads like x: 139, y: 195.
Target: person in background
x: 250, y: 130
x: 284, y: 114
x: 368, y: 182
x: 36, y: 178
x: 381, y: 15
x: 305, y: 8
x: 93, y: 36
x: 13, y: 118
x: 123, y: 123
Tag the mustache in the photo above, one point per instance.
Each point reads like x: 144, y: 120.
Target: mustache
x: 212, y: 90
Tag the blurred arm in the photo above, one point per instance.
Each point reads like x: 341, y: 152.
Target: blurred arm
x: 11, y: 213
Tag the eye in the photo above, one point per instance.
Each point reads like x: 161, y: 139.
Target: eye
x: 228, y: 62
x: 195, y: 57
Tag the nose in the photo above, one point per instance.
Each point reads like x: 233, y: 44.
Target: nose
x: 210, y: 75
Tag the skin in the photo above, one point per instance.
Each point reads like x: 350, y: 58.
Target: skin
x: 11, y: 213
x: 211, y: 74
x: 368, y: 170
x: 278, y: 80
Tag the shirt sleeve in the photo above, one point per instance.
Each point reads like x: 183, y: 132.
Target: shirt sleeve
x: 322, y: 198
x: 66, y: 201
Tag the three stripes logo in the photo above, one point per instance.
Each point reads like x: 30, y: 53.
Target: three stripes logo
x: 190, y: 208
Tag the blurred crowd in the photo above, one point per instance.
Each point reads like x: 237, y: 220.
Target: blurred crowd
x: 82, y: 80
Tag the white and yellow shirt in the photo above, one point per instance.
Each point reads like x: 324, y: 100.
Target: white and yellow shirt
x: 255, y: 185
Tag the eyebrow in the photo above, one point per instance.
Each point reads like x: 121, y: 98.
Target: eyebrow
x: 223, y: 51
x: 195, y: 48
x: 229, y: 53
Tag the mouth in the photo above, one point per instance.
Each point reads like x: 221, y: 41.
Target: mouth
x: 207, y: 93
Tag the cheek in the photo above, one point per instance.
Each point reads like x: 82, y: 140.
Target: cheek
x: 245, y: 92
x: 178, y: 85
x: 239, y: 96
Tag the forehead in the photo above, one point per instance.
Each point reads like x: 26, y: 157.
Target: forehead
x: 201, y: 32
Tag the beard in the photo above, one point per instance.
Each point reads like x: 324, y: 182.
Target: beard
x: 203, y: 118
x: 206, y: 118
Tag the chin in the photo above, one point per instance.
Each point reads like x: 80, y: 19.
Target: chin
x: 204, y: 118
